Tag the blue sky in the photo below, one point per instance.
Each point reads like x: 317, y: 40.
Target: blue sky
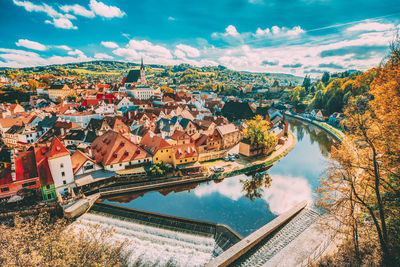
x: 288, y: 36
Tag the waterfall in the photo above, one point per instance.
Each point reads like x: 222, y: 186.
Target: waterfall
x: 152, y: 246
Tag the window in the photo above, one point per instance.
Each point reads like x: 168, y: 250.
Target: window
x: 88, y: 167
x: 169, y: 156
x: 49, y: 196
x: 5, y: 189
x: 64, y: 182
x: 62, y: 165
x: 48, y: 187
x: 180, y: 161
x: 28, y: 184
x: 62, y: 174
x: 120, y: 164
x: 111, y: 166
x: 156, y: 158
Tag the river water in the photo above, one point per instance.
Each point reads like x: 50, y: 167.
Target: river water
x: 294, y: 178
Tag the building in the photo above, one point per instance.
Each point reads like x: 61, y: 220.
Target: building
x: 82, y: 163
x: 160, y: 149
x: 57, y: 92
x: 23, y: 174
x: 184, y: 154
x: 116, y: 152
x: 230, y: 135
x: 46, y: 180
x: 248, y: 149
x: 59, y: 160
x: 135, y: 77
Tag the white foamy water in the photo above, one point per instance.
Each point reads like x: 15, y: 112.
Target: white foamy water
x: 152, y: 246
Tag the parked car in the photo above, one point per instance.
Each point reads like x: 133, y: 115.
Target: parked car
x: 217, y: 169
x: 237, y: 156
x: 231, y: 158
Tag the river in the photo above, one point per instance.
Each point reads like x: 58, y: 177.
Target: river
x: 294, y: 178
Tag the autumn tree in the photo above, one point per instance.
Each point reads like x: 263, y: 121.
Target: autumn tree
x: 258, y: 133
x: 362, y: 188
x: 45, y: 241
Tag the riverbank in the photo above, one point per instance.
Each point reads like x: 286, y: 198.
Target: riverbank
x: 252, y: 164
x: 339, y: 135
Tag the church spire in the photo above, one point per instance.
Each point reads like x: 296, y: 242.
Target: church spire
x: 141, y: 65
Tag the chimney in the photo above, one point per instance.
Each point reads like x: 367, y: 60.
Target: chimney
x: 260, y: 101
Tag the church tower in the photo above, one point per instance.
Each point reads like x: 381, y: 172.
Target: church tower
x: 142, y: 73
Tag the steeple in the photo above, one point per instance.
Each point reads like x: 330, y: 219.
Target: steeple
x: 142, y: 73
x: 141, y: 65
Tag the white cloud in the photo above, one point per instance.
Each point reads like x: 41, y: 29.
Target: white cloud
x: 62, y: 23
x: 64, y: 47
x: 127, y: 53
x: 106, y: 11
x: 150, y: 49
x: 78, y: 10
x: 30, y: 7
x: 277, y: 31
x: 109, y: 44
x: 261, y: 32
x: 189, y: 50
x: 102, y: 56
x: 371, y: 26
x: 77, y: 52
x: 179, y: 53
x: 20, y: 58
x: 295, y: 31
x: 31, y: 44
x: 285, y: 192
x: 59, y: 20
x: 231, y: 30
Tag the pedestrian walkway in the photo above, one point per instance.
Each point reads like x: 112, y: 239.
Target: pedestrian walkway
x: 261, y: 254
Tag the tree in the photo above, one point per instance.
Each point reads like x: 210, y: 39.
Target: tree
x: 33, y: 84
x: 258, y: 133
x: 362, y: 188
x: 306, y: 82
x: 43, y: 241
x: 325, y: 78
x: 72, y: 97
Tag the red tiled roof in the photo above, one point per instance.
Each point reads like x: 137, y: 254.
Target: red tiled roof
x: 185, y: 151
x: 90, y: 102
x: 112, y: 147
x: 78, y: 159
x: 25, y: 166
x: 153, y: 143
x: 57, y: 149
x: 5, y: 176
x: 180, y: 135
x: 43, y: 166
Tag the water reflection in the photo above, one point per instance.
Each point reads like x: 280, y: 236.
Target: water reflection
x: 254, y: 187
x: 315, y: 134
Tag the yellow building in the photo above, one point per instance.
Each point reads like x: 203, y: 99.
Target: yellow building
x: 160, y: 149
x: 184, y: 154
x: 59, y: 92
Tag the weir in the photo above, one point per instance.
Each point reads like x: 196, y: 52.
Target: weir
x: 224, y: 236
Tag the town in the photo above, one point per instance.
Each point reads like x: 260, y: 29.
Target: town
x: 71, y: 138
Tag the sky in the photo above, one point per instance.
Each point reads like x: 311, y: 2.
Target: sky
x: 297, y: 37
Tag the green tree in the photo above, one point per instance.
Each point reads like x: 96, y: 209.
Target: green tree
x: 325, y: 78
